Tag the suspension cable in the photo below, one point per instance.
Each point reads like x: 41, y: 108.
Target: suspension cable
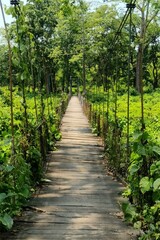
x: 132, y: 5
x: 130, y: 8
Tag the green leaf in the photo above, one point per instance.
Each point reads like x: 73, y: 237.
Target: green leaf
x: 9, y: 168
x: 145, y: 184
x: 156, y: 150
x: 25, y: 192
x: 145, y: 136
x: 137, y: 136
x: 2, y: 197
x: 7, y: 221
x: 156, y: 207
x: 11, y: 194
x: 133, y: 168
x: 129, y: 212
x: 156, y: 184
x: 137, y: 225
x: 141, y: 150
x: 127, y: 192
x: 153, y: 168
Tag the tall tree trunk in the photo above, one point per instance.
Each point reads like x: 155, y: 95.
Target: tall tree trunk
x: 139, y: 68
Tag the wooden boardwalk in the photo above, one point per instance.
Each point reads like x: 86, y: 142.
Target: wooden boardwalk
x: 79, y: 201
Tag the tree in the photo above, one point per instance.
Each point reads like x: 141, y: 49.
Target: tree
x: 148, y: 11
x: 68, y: 43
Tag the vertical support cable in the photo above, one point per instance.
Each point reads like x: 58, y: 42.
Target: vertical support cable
x: 115, y: 112
x: 18, y: 13
x: 83, y: 57
x: 108, y: 106
x: 115, y: 98
x: 99, y: 109
x: 130, y: 6
x: 142, y: 106
x: 96, y: 109
x: 33, y: 80
x: 108, y: 84
x: 103, y: 108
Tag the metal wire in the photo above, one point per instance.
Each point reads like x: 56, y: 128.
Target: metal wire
x: 128, y: 83
x: 125, y: 17
x: 128, y: 14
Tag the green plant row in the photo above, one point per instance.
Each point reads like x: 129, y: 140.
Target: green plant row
x: 138, y: 162
x: 22, y: 168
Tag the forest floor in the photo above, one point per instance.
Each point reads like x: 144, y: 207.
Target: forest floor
x: 78, y: 200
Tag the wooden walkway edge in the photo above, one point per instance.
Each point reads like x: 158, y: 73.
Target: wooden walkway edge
x: 79, y: 201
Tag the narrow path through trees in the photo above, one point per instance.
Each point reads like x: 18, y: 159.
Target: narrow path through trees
x: 79, y: 201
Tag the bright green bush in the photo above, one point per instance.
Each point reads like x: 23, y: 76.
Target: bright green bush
x: 23, y: 169
x: 141, y: 169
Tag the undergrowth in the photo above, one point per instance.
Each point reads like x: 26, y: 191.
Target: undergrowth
x: 138, y: 163
x: 22, y: 168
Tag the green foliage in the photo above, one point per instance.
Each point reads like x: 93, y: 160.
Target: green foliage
x: 57, y: 44
x: 6, y: 221
x: 36, y: 111
x: 129, y: 212
x: 144, y: 185
x: 142, y: 170
x: 21, y: 172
